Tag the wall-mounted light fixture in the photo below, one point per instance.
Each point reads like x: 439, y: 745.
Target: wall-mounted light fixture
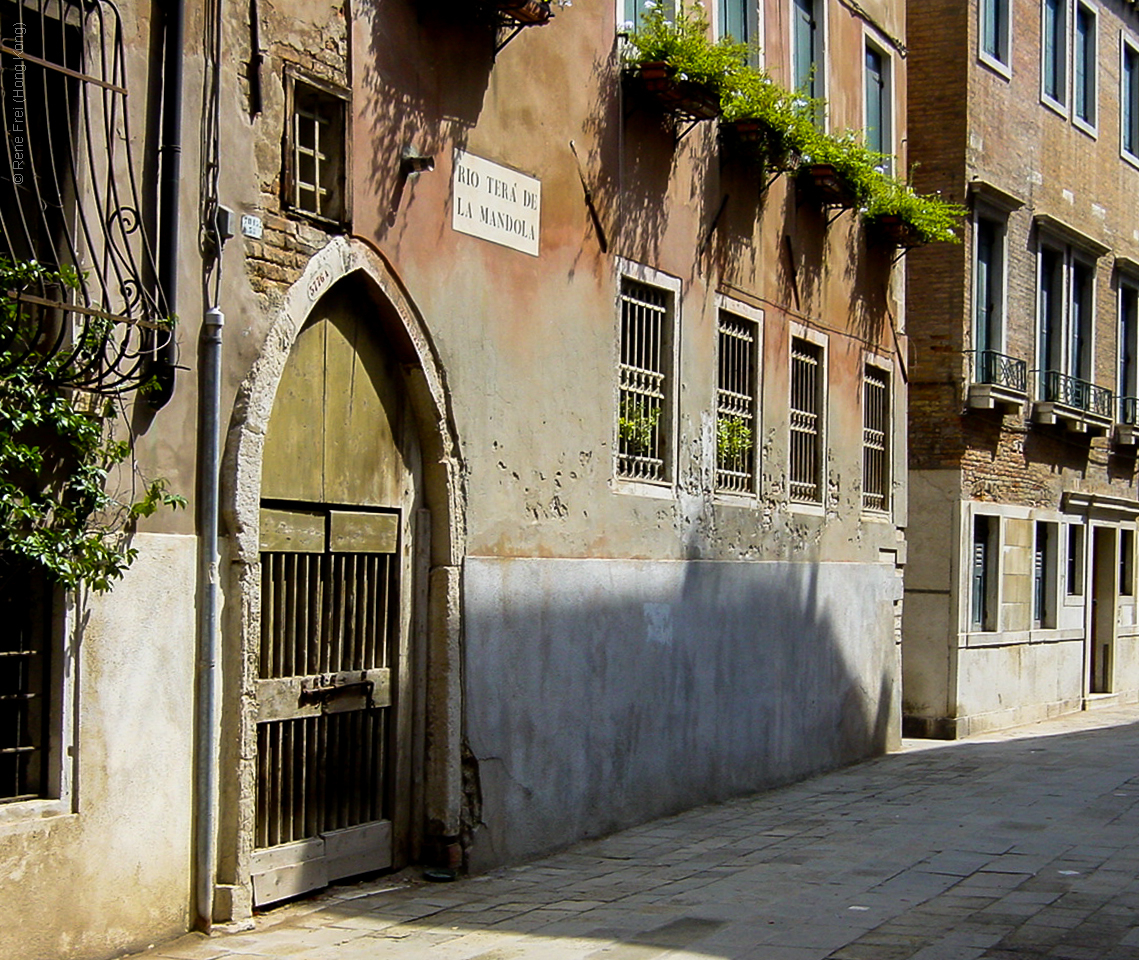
x: 412, y: 161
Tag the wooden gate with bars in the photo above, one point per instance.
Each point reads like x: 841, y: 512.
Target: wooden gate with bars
x: 338, y: 483
x: 329, y: 605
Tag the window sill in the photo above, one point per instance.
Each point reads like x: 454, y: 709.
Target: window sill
x: 1130, y: 158
x: 32, y: 811
x: 808, y: 508
x: 990, y: 396
x: 643, y: 488
x: 999, y: 67
x: 728, y: 498
x: 1074, y: 419
x: 1084, y: 127
x: 1058, y: 108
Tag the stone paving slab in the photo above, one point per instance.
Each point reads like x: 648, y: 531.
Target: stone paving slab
x: 1022, y: 845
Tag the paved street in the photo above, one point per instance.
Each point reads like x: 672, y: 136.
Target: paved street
x: 1017, y: 845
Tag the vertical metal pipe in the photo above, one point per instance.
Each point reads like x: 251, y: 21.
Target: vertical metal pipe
x: 206, y: 801
x: 171, y: 177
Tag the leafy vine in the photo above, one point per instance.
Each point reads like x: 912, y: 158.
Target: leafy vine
x: 58, y: 447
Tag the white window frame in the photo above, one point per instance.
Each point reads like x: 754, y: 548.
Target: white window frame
x: 871, y: 42
x: 1070, y: 256
x: 1000, y: 221
x: 1127, y: 382
x: 884, y: 367
x: 1128, y: 45
x: 1075, y: 587
x: 1051, y: 618
x: 1087, y: 125
x: 1063, y: 61
x: 1002, y: 61
x: 665, y: 487
x: 994, y: 570
x: 820, y: 340
x: 754, y: 315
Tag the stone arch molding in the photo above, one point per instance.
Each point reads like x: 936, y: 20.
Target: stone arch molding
x: 444, y: 494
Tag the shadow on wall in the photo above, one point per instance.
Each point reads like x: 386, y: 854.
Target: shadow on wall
x: 633, y: 157
x: 425, y: 102
x: 601, y: 694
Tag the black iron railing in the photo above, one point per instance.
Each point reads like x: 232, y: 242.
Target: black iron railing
x: 69, y: 201
x: 1057, y: 387
x: 1000, y: 370
x: 1129, y: 410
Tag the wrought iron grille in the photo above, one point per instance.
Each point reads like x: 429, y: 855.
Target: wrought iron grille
x: 1057, y: 387
x: 875, y: 439
x: 69, y: 200
x: 25, y: 701
x: 644, y: 383
x: 1129, y: 410
x: 806, y: 432
x: 735, y: 406
x: 1000, y: 370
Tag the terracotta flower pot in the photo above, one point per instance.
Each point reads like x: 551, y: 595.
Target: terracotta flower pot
x: 897, y: 231
x: 684, y: 97
x: 828, y: 185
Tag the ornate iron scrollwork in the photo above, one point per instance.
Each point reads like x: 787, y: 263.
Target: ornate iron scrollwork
x: 69, y: 200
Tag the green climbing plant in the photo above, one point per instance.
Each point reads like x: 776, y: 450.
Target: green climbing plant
x: 58, y: 448
x: 733, y: 440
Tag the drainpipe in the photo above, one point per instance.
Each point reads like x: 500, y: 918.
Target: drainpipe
x: 206, y: 802
x: 162, y: 364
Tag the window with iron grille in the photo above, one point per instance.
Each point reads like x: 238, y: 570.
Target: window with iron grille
x: 643, y: 419
x: 876, y: 439
x: 1074, y: 574
x: 735, y: 405
x: 25, y: 677
x: 316, y: 150
x: 806, y: 421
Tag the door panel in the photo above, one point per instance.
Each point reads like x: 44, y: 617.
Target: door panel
x: 332, y: 726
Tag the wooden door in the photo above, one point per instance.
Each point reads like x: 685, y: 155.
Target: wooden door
x: 332, y: 718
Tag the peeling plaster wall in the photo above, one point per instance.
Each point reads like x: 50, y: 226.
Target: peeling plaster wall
x: 108, y: 868
x: 598, y: 696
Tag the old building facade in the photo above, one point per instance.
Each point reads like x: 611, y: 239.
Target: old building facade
x: 493, y: 574
x: 1020, y: 592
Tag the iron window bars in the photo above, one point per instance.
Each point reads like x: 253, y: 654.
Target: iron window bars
x: 735, y: 406
x: 69, y: 200
x: 644, y: 381
x: 25, y: 673
x: 875, y: 439
x: 806, y: 421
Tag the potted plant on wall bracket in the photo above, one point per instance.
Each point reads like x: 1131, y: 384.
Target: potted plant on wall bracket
x: 762, y: 119
x: 527, y: 13
x: 897, y: 215
x: 675, y: 63
x: 839, y: 171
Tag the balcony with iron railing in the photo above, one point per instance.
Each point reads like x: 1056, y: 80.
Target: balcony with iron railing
x: 1079, y: 405
x: 998, y: 381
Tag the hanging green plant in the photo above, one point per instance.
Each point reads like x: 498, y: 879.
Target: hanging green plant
x: 756, y: 111
x: 908, y: 218
x: 677, y: 60
x: 57, y: 450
